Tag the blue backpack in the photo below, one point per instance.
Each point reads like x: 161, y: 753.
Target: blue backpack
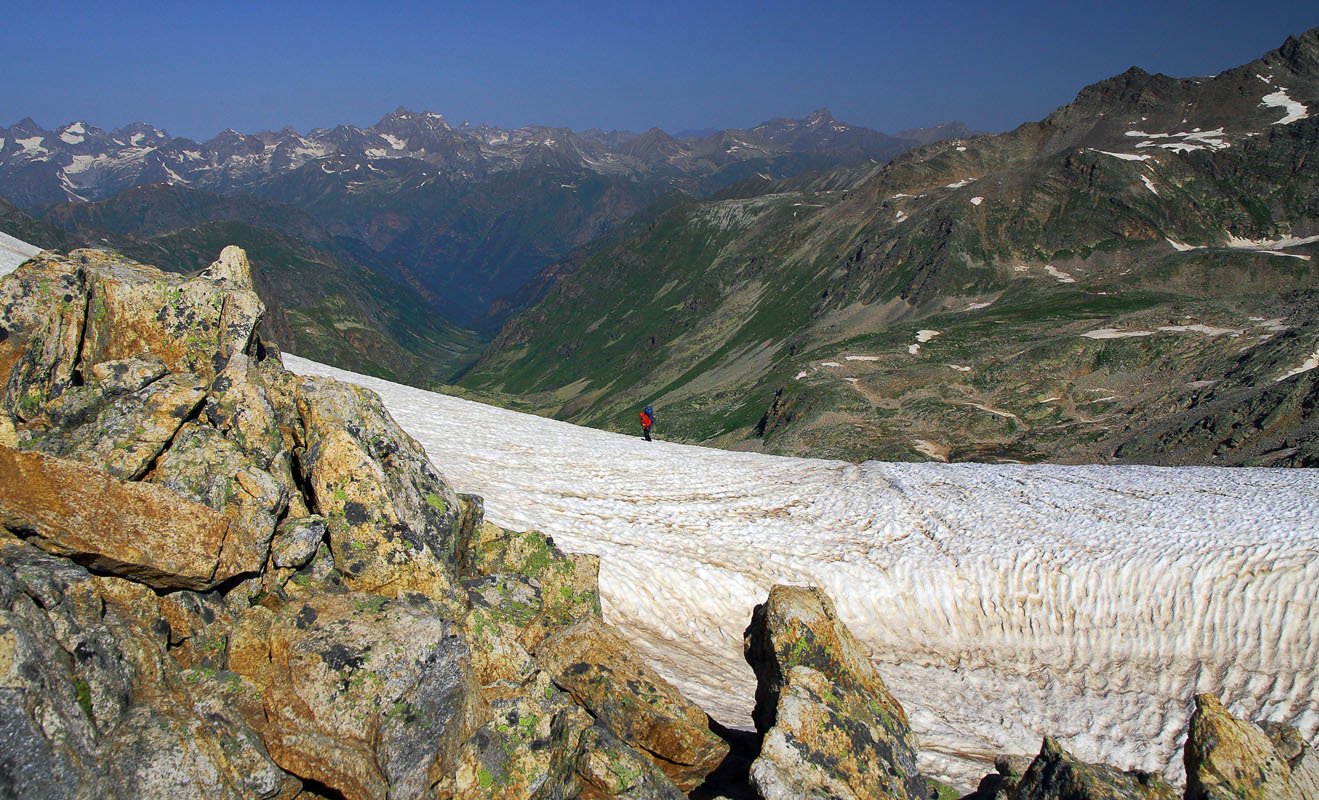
x: 650, y: 413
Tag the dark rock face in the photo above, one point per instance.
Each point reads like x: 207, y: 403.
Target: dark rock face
x: 831, y: 728
x: 1055, y: 775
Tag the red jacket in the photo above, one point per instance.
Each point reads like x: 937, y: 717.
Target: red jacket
x: 646, y: 421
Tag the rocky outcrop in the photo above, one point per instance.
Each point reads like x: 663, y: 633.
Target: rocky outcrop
x: 92, y: 704
x: 606, y: 676
x: 1056, y: 775
x: 369, y: 695
x: 1231, y: 759
x: 831, y: 728
x: 219, y: 579
x: 136, y: 530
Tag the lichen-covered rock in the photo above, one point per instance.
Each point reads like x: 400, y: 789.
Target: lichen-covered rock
x: 130, y: 432
x: 1231, y: 759
x: 198, y: 627
x: 194, y: 324
x: 609, y: 769
x: 204, y: 466
x: 43, y: 305
x: 367, y: 695
x: 1056, y: 775
x: 608, y: 678
x: 391, y: 517
x: 1002, y: 782
x: 501, y: 608
x: 165, y: 751
x: 831, y: 727
x: 238, y: 406
x: 1299, y: 755
x: 527, y: 749
x: 48, y: 699
x: 91, y: 706
x: 127, y: 375
x: 567, y: 583
x: 136, y: 530
x: 296, y: 540
x: 317, y: 576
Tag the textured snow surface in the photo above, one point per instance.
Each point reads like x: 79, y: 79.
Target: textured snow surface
x: 1000, y: 602
x: 14, y: 252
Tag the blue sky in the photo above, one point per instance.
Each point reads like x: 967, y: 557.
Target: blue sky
x: 197, y: 68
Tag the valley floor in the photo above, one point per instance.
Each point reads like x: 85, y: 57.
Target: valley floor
x: 1000, y: 602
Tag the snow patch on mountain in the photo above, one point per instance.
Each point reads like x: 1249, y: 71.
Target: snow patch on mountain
x: 1271, y: 247
x: 1194, y: 139
x: 1309, y: 364
x: 1125, y: 156
x: 1279, y: 99
x: 1058, y: 275
x: 1000, y: 602
x: 31, y: 145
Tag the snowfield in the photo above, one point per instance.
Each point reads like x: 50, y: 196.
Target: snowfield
x: 999, y: 602
x: 14, y: 252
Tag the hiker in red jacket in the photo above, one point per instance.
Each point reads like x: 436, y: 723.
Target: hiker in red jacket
x: 647, y: 419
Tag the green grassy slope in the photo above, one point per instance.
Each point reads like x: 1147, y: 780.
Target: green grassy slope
x: 730, y: 315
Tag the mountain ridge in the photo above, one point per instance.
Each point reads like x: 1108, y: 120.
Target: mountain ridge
x: 971, y: 298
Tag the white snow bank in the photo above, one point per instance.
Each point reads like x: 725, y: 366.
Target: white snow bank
x: 1000, y: 602
x: 1149, y: 184
x: 975, y: 201
x: 31, y: 145
x: 860, y: 358
x: 1279, y: 99
x: 959, y: 184
x: 1059, y: 275
x: 1194, y: 139
x: 1238, y: 242
x: 1114, y: 333
x: 1309, y: 364
x: 1207, y: 330
x: 1270, y: 247
x: 14, y: 252
x: 1125, y: 156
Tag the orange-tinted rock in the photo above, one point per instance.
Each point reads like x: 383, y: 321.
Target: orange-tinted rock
x: 608, y: 677
x: 139, y: 531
